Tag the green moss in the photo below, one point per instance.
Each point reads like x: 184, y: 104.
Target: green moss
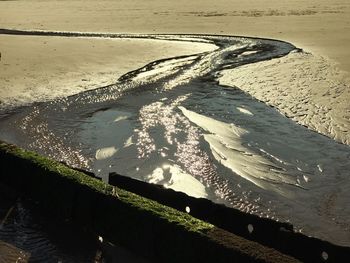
x: 164, y: 212
x: 56, y: 167
x: 141, y: 225
x: 136, y: 201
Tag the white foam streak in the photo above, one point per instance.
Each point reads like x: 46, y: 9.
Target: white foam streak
x: 105, y: 153
x: 121, y: 118
x: 245, y: 111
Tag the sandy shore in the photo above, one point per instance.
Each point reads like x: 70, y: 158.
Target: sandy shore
x: 59, y: 66
x: 40, y: 68
x: 319, y: 26
x: 301, y: 86
x: 312, y: 87
x: 10, y: 253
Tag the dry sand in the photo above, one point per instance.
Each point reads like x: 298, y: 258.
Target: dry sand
x: 319, y: 26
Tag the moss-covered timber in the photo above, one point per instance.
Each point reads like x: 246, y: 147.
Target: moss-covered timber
x: 265, y: 231
x: 146, y: 227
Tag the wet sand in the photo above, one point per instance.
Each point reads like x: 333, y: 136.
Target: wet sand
x: 303, y: 87
x: 319, y: 26
x: 42, y: 68
x: 38, y: 68
x: 172, y: 120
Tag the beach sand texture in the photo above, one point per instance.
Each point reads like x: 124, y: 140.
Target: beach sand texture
x: 42, y: 68
x: 319, y: 26
x: 39, y: 68
x: 301, y: 86
x: 311, y: 87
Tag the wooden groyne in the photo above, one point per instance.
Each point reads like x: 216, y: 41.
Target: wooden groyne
x: 145, y: 227
x: 268, y: 232
x: 152, y: 221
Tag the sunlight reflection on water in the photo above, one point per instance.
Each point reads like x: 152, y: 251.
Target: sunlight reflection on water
x: 173, y: 124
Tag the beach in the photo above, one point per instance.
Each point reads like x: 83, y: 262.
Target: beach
x: 39, y: 68
x: 259, y: 122
x: 320, y: 28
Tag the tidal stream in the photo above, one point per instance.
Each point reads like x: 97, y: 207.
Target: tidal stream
x: 171, y: 123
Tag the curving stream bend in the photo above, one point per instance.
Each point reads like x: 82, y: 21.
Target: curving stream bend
x: 171, y: 123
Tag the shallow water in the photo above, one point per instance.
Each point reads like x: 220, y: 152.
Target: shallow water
x: 171, y: 123
x: 26, y: 236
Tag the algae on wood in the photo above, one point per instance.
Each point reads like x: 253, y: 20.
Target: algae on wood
x: 145, y: 227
